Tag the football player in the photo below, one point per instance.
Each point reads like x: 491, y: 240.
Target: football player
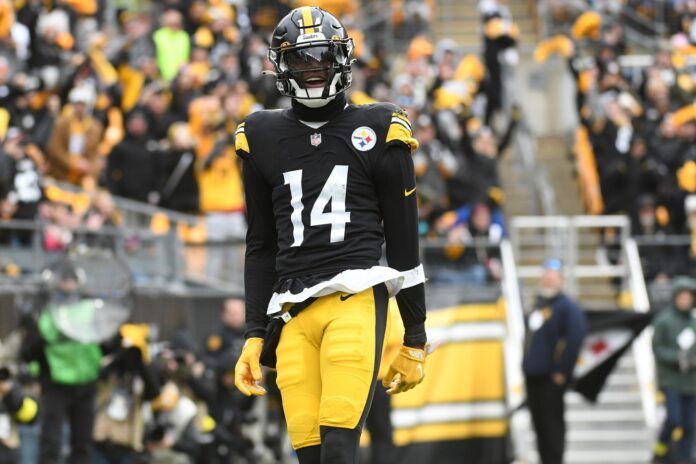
x: 326, y: 185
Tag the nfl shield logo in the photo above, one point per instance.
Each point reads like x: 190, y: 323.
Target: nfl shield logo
x: 315, y: 139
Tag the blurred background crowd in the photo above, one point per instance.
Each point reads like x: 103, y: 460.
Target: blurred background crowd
x: 637, y: 139
x: 105, y: 101
x: 139, y: 100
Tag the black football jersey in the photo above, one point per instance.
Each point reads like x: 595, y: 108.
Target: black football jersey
x: 323, y: 184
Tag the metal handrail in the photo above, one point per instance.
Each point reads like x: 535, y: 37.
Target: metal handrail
x: 169, y: 245
x: 526, y: 148
x: 562, y: 240
x: 664, y: 240
x: 131, y: 206
x: 644, y: 61
x: 514, y: 340
x: 642, y: 347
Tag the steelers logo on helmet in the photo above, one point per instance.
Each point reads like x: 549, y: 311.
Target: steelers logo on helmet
x: 363, y: 138
x: 315, y: 66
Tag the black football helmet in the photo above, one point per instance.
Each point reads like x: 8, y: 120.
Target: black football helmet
x: 311, y: 52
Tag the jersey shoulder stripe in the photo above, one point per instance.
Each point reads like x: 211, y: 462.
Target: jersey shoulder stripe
x: 241, y: 144
x: 255, y: 123
x: 400, y: 131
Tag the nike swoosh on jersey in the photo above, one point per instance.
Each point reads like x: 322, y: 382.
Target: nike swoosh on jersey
x: 409, y: 192
x: 345, y: 297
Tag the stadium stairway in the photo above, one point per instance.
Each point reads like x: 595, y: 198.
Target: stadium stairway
x: 553, y: 153
x: 613, y: 430
x: 459, y: 20
x: 519, y: 193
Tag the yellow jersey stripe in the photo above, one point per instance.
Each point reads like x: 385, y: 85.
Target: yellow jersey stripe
x: 241, y: 142
x: 307, y: 19
x: 399, y: 132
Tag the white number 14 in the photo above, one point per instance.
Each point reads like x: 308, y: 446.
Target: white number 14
x: 334, y: 191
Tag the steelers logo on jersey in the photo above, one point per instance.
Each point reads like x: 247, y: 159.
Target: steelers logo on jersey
x: 364, y: 138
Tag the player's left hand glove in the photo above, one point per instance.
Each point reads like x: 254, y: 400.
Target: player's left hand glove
x: 247, y: 372
x: 406, y: 371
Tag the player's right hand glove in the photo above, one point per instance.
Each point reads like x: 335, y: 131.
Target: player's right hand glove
x: 406, y: 371
x: 247, y: 372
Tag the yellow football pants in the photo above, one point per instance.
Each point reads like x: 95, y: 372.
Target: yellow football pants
x: 327, y: 362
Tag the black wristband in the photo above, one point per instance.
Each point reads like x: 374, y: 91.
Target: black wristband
x: 415, y: 336
x: 255, y: 332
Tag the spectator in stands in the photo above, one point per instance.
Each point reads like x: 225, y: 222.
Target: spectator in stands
x: 652, y: 225
x: 674, y: 344
x: 33, y: 111
x: 72, y: 149
x: 155, y: 99
x: 133, y: 166
x: 556, y: 328
x: 434, y: 165
x: 219, y: 177
x: 60, y: 222
x: 179, y: 190
x: 480, y: 240
x: 101, y: 216
x: 21, y: 165
x: 173, y: 44
x: 631, y: 177
x: 500, y: 38
x: 483, y: 152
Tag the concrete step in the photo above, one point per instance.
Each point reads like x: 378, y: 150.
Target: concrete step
x: 579, y: 436
x: 608, y: 426
x: 603, y: 457
x: 585, y: 406
x: 553, y: 155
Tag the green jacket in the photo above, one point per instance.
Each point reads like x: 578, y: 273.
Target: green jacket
x: 173, y: 48
x: 70, y: 362
x: 669, y: 325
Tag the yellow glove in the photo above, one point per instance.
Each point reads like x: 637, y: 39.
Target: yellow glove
x: 406, y: 371
x: 247, y: 372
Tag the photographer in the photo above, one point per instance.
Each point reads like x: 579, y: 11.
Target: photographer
x: 15, y: 408
x: 182, y: 423
x: 674, y: 344
x: 126, y: 382
x: 228, y: 407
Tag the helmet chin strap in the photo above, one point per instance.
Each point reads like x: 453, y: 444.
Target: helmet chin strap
x: 315, y: 102
x: 314, y: 99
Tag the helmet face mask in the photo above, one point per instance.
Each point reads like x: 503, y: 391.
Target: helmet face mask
x: 309, y: 66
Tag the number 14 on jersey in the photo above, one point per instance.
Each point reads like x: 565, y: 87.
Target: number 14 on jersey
x: 334, y: 191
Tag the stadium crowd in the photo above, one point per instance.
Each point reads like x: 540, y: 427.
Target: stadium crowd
x: 638, y: 126
x: 140, y: 99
